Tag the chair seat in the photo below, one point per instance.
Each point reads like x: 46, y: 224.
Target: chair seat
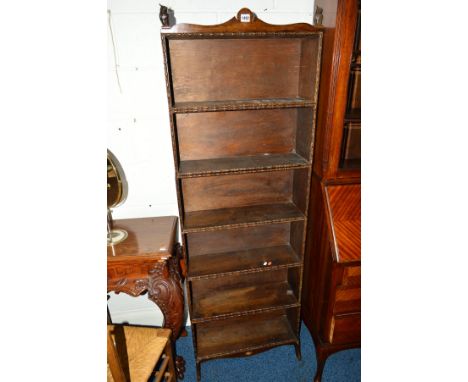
x: 144, y: 347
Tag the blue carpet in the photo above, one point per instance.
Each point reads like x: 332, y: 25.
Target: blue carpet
x: 276, y: 365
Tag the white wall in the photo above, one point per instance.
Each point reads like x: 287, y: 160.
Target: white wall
x: 138, y: 122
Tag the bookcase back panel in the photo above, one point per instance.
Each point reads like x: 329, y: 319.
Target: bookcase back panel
x: 207, y: 286
x: 236, y: 133
x: 238, y: 239
x: 227, y: 191
x: 233, y: 69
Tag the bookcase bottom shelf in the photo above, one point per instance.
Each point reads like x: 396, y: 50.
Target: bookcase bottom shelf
x: 242, y: 336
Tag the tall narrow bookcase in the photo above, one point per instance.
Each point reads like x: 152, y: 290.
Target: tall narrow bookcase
x: 242, y: 100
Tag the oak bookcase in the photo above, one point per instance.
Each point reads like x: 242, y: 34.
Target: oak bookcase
x: 242, y: 101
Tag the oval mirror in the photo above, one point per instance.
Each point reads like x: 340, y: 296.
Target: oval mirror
x: 117, y: 191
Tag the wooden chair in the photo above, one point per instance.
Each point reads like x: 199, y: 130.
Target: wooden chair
x: 134, y: 354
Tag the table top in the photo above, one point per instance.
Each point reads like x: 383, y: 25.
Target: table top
x: 343, y: 205
x: 147, y: 237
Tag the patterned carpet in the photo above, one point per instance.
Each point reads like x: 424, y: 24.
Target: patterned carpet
x: 275, y: 365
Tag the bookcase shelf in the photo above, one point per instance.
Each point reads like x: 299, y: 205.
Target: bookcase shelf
x: 248, y: 299
x: 243, y: 164
x: 243, y: 104
x: 243, y: 261
x: 242, y: 101
x: 241, y: 217
x: 216, y: 339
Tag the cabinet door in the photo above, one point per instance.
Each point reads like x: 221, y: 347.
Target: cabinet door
x: 351, y: 144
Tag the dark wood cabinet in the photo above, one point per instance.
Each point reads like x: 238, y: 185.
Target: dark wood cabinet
x: 242, y: 101
x: 332, y: 271
x: 331, y: 297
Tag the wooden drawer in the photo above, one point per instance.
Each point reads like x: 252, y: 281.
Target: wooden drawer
x: 347, y: 300
x: 345, y: 328
x: 351, y: 276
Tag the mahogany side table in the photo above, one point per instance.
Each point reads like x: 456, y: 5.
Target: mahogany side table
x: 148, y: 260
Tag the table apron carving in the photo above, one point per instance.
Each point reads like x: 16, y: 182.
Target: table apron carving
x: 160, y: 279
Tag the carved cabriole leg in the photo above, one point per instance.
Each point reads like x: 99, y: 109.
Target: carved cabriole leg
x: 165, y: 290
x: 180, y: 367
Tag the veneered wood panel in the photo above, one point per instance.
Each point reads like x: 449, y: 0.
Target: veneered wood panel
x: 347, y: 300
x: 351, y: 276
x: 348, y: 238
x: 344, y: 205
x: 345, y: 328
x: 345, y: 201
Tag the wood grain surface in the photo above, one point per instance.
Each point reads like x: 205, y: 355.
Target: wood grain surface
x: 344, y: 203
x: 147, y: 237
x: 220, y: 338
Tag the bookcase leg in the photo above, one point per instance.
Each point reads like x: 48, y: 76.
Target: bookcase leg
x: 198, y: 371
x: 298, y: 351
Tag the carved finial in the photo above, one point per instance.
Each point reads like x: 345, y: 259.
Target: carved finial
x: 164, y: 16
x: 318, y: 15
